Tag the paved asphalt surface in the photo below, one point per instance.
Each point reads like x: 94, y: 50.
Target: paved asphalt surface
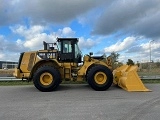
x: 78, y: 102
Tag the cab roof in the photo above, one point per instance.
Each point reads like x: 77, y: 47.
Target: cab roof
x: 67, y: 39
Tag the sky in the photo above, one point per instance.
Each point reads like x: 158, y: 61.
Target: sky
x: 130, y: 28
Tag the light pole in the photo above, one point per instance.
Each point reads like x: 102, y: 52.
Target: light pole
x: 150, y: 51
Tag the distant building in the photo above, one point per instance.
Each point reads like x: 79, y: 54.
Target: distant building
x: 8, y: 64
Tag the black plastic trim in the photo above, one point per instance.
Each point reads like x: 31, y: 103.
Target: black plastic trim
x: 20, y: 59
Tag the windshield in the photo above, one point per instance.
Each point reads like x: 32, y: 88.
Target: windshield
x: 77, y: 50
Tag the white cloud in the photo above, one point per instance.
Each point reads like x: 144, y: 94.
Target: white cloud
x: 120, y: 45
x: 153, y: 45
x: 87, y: 43
x: 3, y: 43
x: 1, y: 56
x: 1, y: 37
x: 66, y: 32
x: 142, y: 51
x: 35, y: 41
x: 35, y: 35
x: 19, y: 42
x: 27, y: 32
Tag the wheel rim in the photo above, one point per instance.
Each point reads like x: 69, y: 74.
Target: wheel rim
x: 46, y: 78
x: 100, y: 78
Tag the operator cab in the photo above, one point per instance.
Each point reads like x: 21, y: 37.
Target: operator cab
x: 69, y: 50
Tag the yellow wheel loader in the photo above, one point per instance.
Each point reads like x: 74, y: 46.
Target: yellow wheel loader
x: 60, y: 61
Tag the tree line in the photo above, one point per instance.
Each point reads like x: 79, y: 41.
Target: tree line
x: 116, y: 63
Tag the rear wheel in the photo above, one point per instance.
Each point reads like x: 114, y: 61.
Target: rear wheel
x: 46, y: 79
x: 99, y: 77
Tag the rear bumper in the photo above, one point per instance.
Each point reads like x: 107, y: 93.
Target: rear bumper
x: 16, y: 73
x: 20, y: 75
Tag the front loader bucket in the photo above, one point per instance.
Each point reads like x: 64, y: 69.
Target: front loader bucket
x: 127, y: 78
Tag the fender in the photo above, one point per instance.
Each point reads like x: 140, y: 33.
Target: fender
x: 42, y: 63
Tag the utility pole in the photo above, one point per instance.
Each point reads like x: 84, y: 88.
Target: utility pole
x: 150, y: 53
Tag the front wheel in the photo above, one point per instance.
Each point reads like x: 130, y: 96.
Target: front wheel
x: 46, y: 78
x: 99, y: 77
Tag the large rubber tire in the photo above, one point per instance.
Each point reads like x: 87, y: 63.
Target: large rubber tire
x: 46, y: 78
x: 99, y: 77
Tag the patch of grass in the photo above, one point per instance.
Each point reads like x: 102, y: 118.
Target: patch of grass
x: 12, y: 83
x: 151, y: 81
